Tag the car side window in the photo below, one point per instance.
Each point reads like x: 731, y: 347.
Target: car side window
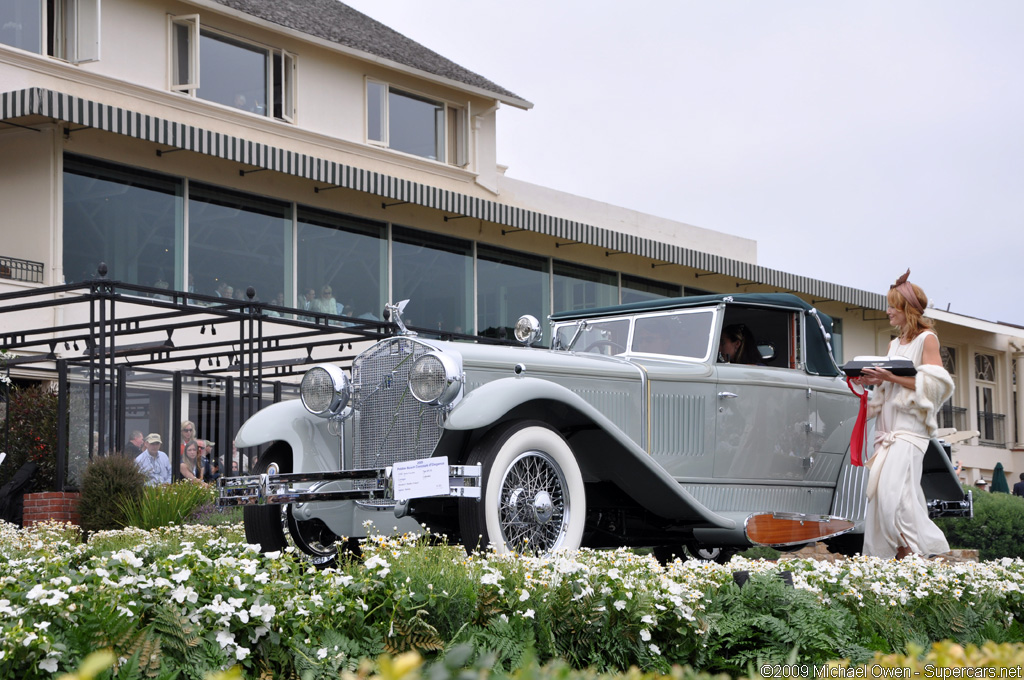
x: 766, y: 337
x: 681, y: 334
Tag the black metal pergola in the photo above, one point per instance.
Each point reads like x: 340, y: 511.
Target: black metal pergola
x: 107, y: 331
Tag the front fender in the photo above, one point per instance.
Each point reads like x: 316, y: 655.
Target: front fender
x: 624, y: 462
x: 486, y: 404
x: 314, y: 448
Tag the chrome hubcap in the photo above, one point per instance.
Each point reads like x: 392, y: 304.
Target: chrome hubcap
x: 534, y: 507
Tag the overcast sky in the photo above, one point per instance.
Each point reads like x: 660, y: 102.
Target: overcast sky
x: 850, y: 139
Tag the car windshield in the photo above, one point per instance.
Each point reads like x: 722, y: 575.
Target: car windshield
x: 685, y: 333
x: 681, y: 334
x: 598, y: 337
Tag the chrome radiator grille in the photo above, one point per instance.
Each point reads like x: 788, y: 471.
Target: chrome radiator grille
x: 391, y: 425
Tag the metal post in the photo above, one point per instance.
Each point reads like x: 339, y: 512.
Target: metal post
x: 95, y: 342
x: 115, y: 408
x: 229, y: 423
x: 62, y: 424
x: 121, y: 409
x: 176, y: 427
x: 102, y: 379
x: 7, y: 413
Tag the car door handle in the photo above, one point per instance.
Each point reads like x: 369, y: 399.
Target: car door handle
x: 727, y: 395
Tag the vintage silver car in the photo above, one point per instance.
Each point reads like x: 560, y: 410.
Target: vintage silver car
x: 632, y: 429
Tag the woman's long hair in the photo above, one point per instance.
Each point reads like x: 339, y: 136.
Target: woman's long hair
x: 747, y: 353
x: 916, y: 322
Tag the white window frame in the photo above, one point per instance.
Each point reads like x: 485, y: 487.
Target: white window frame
x: 86, y: 34
x: 456, y: 127
x: 190, y: 84
x: 981, y: 384
x: 190, y: 81
x: 74, y: 30
x: 288, y: 73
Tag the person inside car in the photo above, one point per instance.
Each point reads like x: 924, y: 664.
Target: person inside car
x: 738, y: 345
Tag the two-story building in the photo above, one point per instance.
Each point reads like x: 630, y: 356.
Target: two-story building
x: 312, y: 154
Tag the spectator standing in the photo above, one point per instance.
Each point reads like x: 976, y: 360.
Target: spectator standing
x: 190, y: 467
x: 188, y: 433
x: 214, y: 471
x: 1018, y: 488
x: 153, y: 462
x: 136, y: 444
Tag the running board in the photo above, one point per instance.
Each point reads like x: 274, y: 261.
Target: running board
x: 305, y: 487
x: 780, y: 529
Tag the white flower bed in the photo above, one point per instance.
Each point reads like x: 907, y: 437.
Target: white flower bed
x: 235, y: 597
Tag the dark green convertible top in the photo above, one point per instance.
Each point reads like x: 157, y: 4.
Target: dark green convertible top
x: 819, y: 360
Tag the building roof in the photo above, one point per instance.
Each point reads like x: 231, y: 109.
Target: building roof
x: 338, y: 23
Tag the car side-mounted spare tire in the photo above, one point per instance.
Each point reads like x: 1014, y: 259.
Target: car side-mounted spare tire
x: 532, y: 496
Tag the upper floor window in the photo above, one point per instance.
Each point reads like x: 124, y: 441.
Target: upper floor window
x: 230, y: 71
x: 637, y: 289
x: 66, y: 29
x: 415, y: 124
x: 990, y: 422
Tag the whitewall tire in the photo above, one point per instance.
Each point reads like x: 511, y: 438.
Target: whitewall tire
x: 533, y: 498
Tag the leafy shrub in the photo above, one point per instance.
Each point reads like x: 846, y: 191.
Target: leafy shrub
x: 995, y: 529
x: 32, y: 421
x: 164, y: 504
x: 106, y: 484
x: 766, y: 619
x: 761, y: 552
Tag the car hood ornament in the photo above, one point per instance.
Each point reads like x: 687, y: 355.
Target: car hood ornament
x: 393, y: 313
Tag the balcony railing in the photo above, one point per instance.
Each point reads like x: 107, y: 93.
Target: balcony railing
x: 20, y: 270
x: 953, y: 416
x: 992, y: 427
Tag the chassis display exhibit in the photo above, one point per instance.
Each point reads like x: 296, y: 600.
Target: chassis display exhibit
x: 634, y: 428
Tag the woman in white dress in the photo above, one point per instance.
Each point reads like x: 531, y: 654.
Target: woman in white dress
x: 905, y: 408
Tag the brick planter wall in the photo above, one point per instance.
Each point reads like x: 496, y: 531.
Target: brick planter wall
x: 57, y: 505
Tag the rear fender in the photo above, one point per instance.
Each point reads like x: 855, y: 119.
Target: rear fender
x: 314, y: 448
x: 603, y: 452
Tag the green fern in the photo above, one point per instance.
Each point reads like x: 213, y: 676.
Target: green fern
x: 177, y: 634
x: 505, y: 641
x: 765, y: 621
x: 413, y: 633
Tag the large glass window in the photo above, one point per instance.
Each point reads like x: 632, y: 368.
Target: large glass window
x: 125, y: 217
x: 435, y: 273
x: 66, y: 29
x: 238, y: 240
x: 415, y: 124
x: 346, y: 254
x: 21, y: 24
x: 577, y: 287
x: 637, y: 289
x: 509, y: 285
x: 230, y: 71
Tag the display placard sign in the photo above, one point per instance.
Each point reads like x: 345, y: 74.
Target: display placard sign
x: 420, y: 478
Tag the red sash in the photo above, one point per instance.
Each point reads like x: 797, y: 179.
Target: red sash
x: 859, y: 427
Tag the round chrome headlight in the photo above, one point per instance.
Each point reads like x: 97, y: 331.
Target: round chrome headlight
x: 325, y: 390
x: 435, y: 378
x: 527, y: 330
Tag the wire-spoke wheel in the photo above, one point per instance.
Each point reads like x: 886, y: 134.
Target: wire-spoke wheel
x: 533, y: 498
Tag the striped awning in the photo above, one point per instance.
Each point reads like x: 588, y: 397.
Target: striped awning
x: 80, y: 111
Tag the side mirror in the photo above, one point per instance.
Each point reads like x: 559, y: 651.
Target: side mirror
x: 767, y: 352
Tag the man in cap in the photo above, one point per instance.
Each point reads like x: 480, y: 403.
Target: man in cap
x: 153, y: 462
